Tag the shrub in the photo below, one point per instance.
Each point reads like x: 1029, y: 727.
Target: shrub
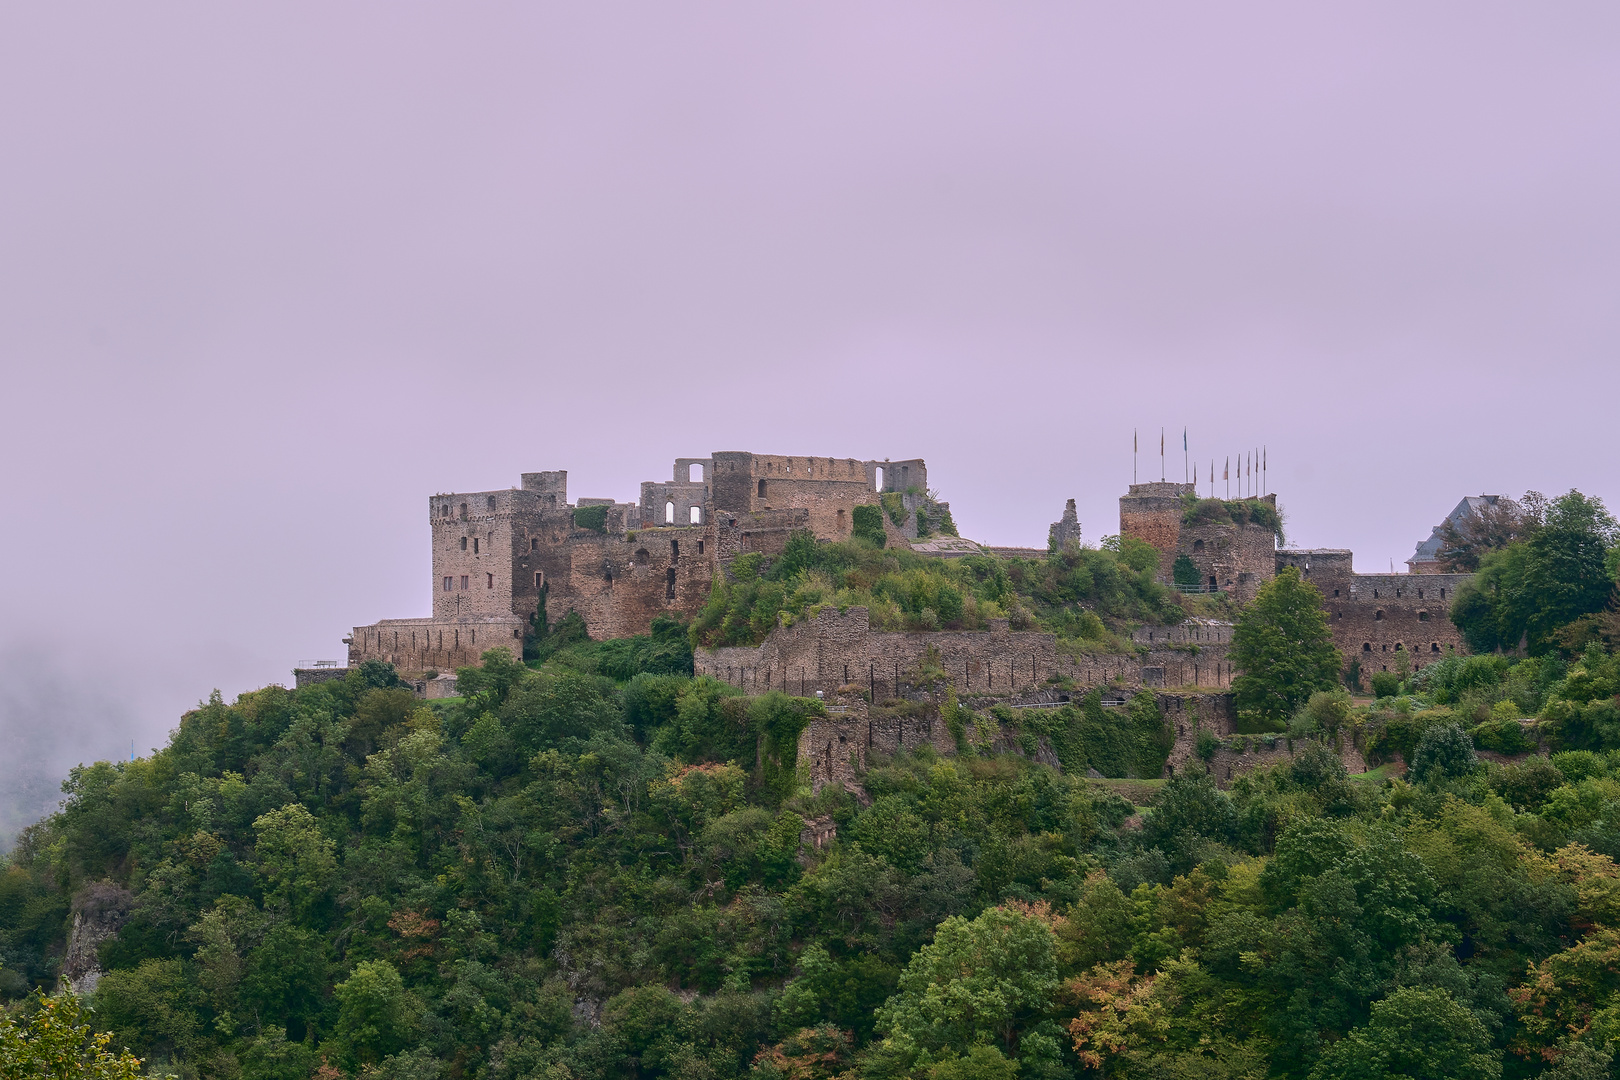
x: 593, y: 518
x: 1445, y: 752
x: 1184, y: 572
x: 1385, y: 684
x: 868, y: 524
x: 1503, y: 736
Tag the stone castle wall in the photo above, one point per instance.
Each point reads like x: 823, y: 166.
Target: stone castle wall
x: 833, y: 650
x: 1376, y: 616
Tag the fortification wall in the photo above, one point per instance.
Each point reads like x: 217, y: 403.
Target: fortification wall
x: 1386, y: 614
x: 417, y: 645
x: 828, y: 488
x: 1374, y: 617
x: 833, y: 650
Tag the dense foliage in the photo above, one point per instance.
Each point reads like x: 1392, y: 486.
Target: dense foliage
x: 1079, y: 593
x: 1562, y: 571
x: 48, y: 1040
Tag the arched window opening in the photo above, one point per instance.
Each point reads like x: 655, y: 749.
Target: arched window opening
x: 1366, y: 646
x: 669, y: 513
x: 1423, y: 616
x: 1378, y: 616
x: 642, y: 557
x: 878, y: 482
x: 1198, y: 546
x: 762, y: 488
x: 694, y: 474
x: 697, y: 515
x: 463, y: 511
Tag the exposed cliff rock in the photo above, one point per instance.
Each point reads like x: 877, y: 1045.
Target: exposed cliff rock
x: 99, y: 910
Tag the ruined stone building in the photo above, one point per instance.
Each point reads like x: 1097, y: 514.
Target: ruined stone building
x: 497, y: 554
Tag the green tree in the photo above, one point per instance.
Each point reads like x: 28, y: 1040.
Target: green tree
x: 1414, y: 1034
x: 1445, y: 752
x: 1284, y: 650
x: 1526, y: 592
x: 990, y: 980
x: 50, y: 1042
x: 297, y: 861
x: 376, y: 1014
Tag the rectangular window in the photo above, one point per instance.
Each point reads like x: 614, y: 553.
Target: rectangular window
x: 464, y: 582
x: 446, y: 584
x: 539, y: 578
x: 534, y: 544
x: 475, y: 545
x: 490, y: 583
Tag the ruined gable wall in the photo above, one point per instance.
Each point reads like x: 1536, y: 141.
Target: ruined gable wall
x: 619, y: 581
x: 828, y: 488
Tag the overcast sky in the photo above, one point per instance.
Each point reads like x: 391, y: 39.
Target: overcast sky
x: 270, y: 275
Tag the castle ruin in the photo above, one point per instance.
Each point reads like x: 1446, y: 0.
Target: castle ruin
x: 501, y: 557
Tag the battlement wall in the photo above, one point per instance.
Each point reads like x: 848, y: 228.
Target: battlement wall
x: 414, y: 646
x: 833, y: 650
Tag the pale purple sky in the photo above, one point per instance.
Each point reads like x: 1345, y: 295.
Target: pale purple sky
x: 270, y: 276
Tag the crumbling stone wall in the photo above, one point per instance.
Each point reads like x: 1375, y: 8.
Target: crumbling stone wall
x: 1065, y: 530
x: 828, y: 488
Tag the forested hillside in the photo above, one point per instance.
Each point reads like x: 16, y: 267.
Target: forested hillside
x: 593, y: 865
